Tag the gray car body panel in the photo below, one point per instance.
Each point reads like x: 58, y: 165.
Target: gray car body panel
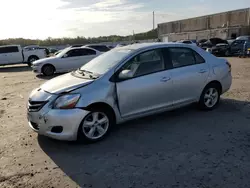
x: 140, y: 97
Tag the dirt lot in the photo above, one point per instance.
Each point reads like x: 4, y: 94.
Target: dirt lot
x: 183, y: 148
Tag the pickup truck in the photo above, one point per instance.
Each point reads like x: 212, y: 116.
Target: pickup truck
x: 14, y: 54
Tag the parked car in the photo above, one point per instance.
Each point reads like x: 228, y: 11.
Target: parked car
x: 220, y: 49
x: 14, y: 54
x: 99, y: 47
x: 187, y: 42
x: 201, y: 41
x: 212, y: 42
x: 127, y: 83
x: 67, y: 60
x: 235, y: 48
x: 243, y: 38
x: 53, y: 50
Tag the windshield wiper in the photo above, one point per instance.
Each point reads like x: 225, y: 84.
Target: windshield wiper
x: 90, y: 74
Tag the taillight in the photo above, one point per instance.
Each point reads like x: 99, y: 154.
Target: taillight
x: 229, y: 66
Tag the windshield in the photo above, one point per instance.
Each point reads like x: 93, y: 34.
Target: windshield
x: 104, y: 62
x: 60, y: 54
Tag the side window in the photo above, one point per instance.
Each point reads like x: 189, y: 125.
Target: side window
x: 9, y: 49
x: 198, y: 58
x: 146, y: 63
x: 101, y: 48
x: 80, y: 52
x: 182, y: 57
x: 2, y: 50
x: 88, y: 52
x: 73, y: 53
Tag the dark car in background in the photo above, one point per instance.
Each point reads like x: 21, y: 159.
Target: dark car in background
x: 212, y: 42
x: 220, y: 49
x: 236, y: 47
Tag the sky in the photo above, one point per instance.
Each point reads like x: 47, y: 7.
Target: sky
x: 40, y: 19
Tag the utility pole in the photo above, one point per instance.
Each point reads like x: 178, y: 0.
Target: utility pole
x: 153, y: 20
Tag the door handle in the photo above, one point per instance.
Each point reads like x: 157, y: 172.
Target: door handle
x: 202, y: 71
x: 165, y: 79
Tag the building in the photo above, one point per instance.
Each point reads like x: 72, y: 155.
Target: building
x: 224, y: 25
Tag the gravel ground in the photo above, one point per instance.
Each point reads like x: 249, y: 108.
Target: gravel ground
x: 182, y: 148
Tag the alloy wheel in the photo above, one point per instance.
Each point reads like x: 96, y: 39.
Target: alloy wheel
x: 95, y: 125
x: 211, y: 97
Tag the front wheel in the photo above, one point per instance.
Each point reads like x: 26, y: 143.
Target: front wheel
x: 48, y: 70
x: 95, y: 126
x: 210, y: 97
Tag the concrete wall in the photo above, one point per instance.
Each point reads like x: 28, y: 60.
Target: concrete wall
x: 206, y: 34
x: 204, y: 25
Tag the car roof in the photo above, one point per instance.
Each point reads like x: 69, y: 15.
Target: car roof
x: 85, y: 47
x: 141, y: 46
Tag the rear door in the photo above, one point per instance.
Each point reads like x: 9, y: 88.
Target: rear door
x: 150, y: 88
x: 189, y: 74
x: 87, y: 55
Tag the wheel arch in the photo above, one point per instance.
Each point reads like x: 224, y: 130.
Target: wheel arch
x: 216, y: 82
x: 33, y: 56
x: 101, y: 105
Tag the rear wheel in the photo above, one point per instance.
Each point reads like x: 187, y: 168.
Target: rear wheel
x: 210, y: 97
x: 48, y: 70
x: 32, y: 59
x: 95, y: 126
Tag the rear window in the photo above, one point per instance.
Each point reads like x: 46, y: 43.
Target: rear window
x: 9, y: 49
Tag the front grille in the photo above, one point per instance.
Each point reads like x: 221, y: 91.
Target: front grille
x: 34, y: 106
x: 34, y: 125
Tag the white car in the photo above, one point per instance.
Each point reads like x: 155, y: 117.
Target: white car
x: 67, y: 60
x: 14, y: 54
x: 187, y: 42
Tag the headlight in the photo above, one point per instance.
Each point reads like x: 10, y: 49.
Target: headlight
x: 67, y: 101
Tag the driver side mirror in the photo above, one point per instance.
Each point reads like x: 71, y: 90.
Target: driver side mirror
x: 125, y: 74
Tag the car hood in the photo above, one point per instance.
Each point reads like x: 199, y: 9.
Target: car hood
x: 44, y: 60
x: 64, y: 83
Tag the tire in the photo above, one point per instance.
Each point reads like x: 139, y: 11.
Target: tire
x: 96, y: 126
x: 31, y: 59
x: 48, y: 70
x: 210, y: 97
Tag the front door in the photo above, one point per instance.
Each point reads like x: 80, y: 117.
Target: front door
x: 237, y: 47
x: 189, y: 75
x: 148, y: 89
x: 71, y: 60
x: 3, y: 56
x: 14, y: 55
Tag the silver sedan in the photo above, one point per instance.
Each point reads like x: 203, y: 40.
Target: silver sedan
x: 127, y: 83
